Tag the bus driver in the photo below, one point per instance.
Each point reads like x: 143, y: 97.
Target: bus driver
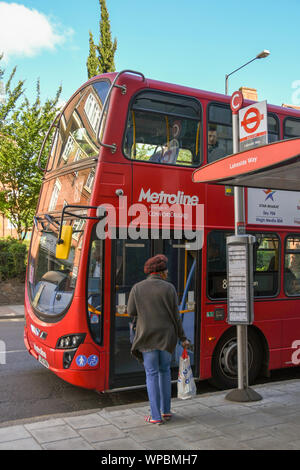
x: 214, y: 150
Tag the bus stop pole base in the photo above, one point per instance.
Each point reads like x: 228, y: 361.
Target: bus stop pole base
x: 243, y: 395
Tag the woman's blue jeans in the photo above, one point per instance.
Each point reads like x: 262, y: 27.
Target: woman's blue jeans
x: 158, y: 379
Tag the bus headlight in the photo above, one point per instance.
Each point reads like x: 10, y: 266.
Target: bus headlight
x: 70, y: 341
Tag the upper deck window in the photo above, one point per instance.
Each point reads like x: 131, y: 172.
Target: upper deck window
x: 79, y: 127
x: 219, y: 132
x: 74, y: 187
x: 273, y: 128
x: 164, y: 128
x: 291, y: 128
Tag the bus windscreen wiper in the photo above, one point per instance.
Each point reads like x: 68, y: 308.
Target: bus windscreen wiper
x: 51, y: 220
x: 38, y: 220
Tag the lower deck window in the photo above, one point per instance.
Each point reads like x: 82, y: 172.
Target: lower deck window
x: 265, y: 264
x: 292, y: 265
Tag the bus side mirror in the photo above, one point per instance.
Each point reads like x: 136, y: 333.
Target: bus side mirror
x: 64, y: 243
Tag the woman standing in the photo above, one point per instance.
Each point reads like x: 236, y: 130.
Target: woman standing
x: 153, y: 304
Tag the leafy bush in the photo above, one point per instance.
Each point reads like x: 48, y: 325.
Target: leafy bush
x: 13, y: 256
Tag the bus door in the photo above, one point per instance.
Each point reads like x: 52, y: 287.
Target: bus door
x: 128, y: 259
x: 128, y: 264
x: 184, y: 273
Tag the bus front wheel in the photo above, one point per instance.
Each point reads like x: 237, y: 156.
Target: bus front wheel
x: 224, y: 360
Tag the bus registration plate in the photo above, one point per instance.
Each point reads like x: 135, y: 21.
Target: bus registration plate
x: 43, y: 362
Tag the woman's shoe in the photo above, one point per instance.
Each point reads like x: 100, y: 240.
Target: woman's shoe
x: 166, y: 416
x: 148, y: 419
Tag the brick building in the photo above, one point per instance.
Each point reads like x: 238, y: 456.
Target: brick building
x: 6, y: 228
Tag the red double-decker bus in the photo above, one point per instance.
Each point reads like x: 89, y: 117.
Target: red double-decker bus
x: 117, y: 189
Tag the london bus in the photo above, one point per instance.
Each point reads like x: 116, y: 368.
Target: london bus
x: 124, y: 140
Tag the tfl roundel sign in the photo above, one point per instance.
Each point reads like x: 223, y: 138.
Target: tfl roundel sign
x: 253, y: 125
x: 252, y: 120
x: 236, y: 101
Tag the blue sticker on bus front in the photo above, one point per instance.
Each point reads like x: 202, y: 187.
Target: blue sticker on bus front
x: 93, y: 360
x: 81, y: 360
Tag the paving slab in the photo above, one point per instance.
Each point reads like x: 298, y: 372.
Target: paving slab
x: 86, y: 421
x: 21, y: 444
x: 13, y: 433
x: 53, y: 433
x: 76, y: 443
x: 101, y: 433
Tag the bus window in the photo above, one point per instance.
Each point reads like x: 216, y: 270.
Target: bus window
x: 292, y: 265
x: 69, y: 188
x: 291, y: 128
x: 219, y: 132
x: 164, y: 128
x: 273, y: 128
x: 78, y: 130
x: 95, y: 288
x: 265, y: 264
x: 52, y: 281
x: 216, y: 265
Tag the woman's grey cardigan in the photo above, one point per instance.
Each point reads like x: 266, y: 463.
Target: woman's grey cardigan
x: 153, y: 303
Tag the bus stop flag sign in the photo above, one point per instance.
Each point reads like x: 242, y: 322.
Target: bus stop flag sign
x: 253, y: 126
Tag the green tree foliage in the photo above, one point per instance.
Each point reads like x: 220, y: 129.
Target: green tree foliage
x: 22, y: 130
x: 13, y: 255
x: 11, y: 95
x: 92, y: 63
x: 101, y: 57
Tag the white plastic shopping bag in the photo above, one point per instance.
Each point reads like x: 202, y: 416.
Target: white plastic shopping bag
x: 186, y: 387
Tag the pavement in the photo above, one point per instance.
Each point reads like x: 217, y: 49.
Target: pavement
x: 205, y: 422
x: 11, y: 311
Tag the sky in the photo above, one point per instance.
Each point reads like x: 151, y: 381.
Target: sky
x: 192, y: 43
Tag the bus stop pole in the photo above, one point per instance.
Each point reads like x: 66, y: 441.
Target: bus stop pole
x: 243, y: 393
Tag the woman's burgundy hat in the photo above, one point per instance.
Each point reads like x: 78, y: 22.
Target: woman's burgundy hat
x: 156, y: 264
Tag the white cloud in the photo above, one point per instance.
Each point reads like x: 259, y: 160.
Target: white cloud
x: 26, y: 32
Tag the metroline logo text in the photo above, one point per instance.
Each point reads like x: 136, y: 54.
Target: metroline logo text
x: 165, y: 198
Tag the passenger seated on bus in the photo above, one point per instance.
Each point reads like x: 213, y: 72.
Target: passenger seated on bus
x: 215, y: 151
x: 168, y: 153
x: 157, y: 155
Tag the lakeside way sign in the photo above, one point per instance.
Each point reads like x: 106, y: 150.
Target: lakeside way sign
x: 253, y: 125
